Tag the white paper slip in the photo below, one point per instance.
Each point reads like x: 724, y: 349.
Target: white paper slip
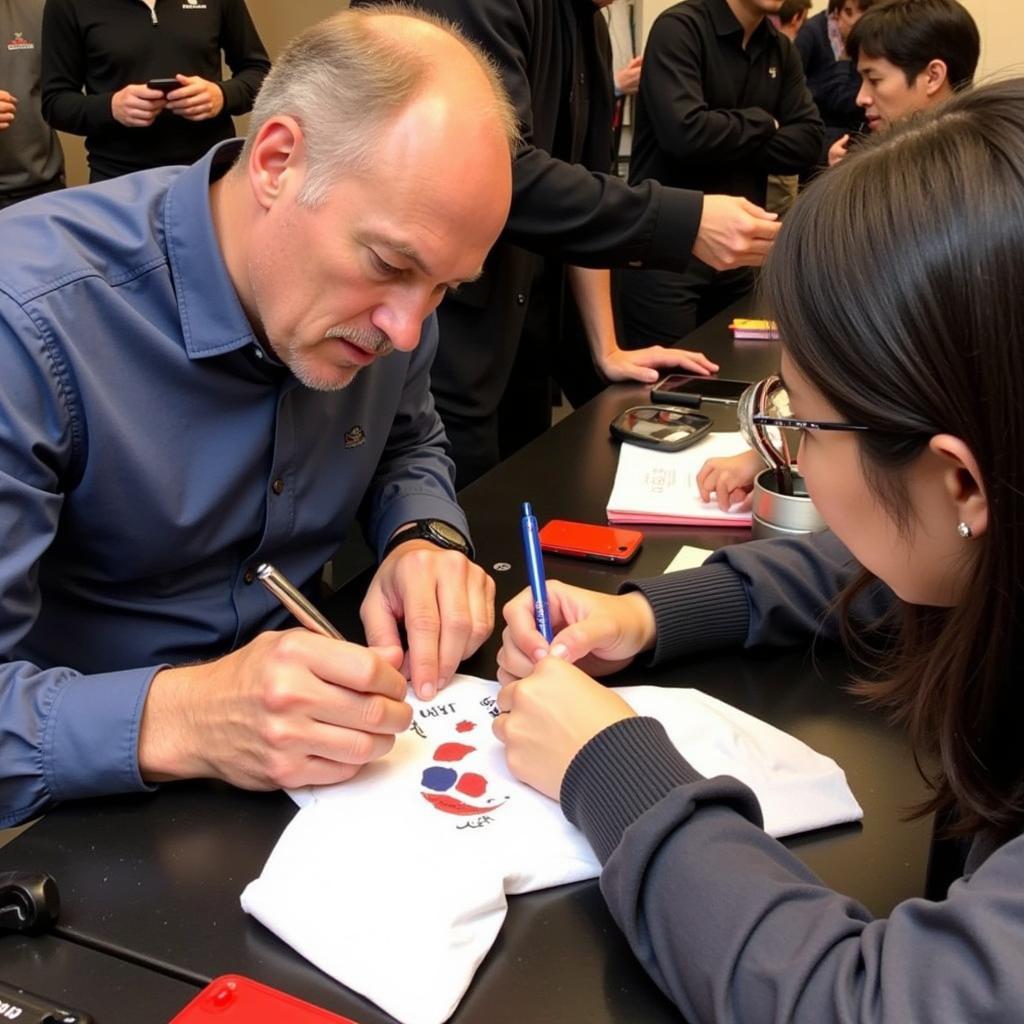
x: 687, y: 557
x: 653, y: 486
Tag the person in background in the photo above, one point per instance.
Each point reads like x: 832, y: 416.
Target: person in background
x: 911, y: 55
x: 783, y: 188
x: 210, y: 367
x: 831, y: 76
x: 31, y: 158
x: 722, y: 104
x: 791, y: 17
x: 907, y: 386
x: 98, y: 59
x: 492, y: 375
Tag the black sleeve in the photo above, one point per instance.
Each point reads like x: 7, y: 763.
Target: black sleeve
x: 245, y: 54
x: 65, y: 105
x: 808, y: 51
x: 796, y: 146
x: 774, y: 592
x: 672, y: 95
x: 561, y: 209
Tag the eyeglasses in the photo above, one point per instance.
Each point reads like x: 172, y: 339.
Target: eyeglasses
x: 761, y: 410
x: 774, y: 410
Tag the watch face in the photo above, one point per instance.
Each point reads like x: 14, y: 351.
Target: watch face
x: 447, y: 533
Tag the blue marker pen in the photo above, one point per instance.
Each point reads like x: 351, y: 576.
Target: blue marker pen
x: 535, y: 572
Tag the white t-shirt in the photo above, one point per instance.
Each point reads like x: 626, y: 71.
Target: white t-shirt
x: 404, y: 870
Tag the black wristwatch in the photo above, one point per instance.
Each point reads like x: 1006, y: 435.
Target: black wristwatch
x: 437, y: 531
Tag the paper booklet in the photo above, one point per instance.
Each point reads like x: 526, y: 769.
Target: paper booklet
x: 653, y: 486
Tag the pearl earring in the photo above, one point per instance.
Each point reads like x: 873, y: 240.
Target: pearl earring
x: 964, y: 530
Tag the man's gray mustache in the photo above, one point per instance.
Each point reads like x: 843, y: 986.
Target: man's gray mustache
x: 373, y: 341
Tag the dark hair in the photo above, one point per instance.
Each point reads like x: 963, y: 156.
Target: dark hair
x: 791, y: 9
x: 907, y: 315
x: 834, y: 6
x: 912, y: 33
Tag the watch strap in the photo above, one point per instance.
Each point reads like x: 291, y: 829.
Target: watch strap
x: 422, y: 530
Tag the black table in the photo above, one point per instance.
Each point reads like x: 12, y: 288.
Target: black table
x: 157, y: 878
x: 107, y: 987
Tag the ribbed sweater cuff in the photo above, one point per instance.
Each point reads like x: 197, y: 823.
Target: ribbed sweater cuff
x: 695, y: 610
x: 621, y: 773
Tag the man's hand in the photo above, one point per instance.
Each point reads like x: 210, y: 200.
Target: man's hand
x: 197, y: 99
x: 289, y: 709
x: 8, y: 108
x: 838, y: 150
x: 550, y: 716
x: 643, y: 364
x: 602, y: 632
x: 734, y: 232
x: 446, y: 603
x: 137, y: 106
x: 627, y: 78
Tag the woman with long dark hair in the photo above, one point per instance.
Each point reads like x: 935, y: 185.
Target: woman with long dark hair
x: 903, y: 358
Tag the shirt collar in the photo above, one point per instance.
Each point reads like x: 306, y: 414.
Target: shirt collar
x: 212, y: 319
x: 726, y: 24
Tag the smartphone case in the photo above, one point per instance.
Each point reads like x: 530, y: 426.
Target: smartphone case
x: 590, y: 541
x: 234, y: 999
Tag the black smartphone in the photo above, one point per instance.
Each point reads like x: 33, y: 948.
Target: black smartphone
x: 165, y: 85
x: 683, y: 389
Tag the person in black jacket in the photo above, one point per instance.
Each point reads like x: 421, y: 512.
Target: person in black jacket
x: 722, y: 105
x: 111, y: 49
x: 547, y: 54
x: 831, y: 76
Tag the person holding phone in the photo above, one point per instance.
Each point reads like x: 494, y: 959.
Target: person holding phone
x: 108, y: 74
x: 920, y: 474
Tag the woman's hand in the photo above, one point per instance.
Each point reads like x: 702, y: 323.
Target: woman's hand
x: 731, y: 480
x: 602, y: 632
x: 551, y: 715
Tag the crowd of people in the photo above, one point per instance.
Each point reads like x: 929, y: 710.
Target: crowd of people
x: 223, y: 352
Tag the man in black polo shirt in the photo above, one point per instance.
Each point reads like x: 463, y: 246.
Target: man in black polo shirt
x: 722, y: 104
x: 111, y: 49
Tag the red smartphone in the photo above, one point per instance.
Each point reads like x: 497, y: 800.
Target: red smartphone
x: 232, y: 997
x: 589, y: 540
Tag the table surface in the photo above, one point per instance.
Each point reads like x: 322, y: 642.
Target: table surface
x: 157, y: 878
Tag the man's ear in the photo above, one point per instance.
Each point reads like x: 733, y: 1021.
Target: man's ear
x: 961, y: 478
x: 936, y: 78
x: 276, y: 157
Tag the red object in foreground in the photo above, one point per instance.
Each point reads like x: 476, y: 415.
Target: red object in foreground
x: 232, y: 999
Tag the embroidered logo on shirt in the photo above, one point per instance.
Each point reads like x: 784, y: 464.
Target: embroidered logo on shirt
x: 193, y: 5
x: 773, y: 72
x: 19, y: 42
x: 354, y: 436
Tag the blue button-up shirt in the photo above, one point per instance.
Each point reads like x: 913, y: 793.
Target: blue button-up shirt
x: 151, y: 453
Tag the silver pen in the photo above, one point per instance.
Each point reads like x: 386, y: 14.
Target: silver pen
x: 295, y: 601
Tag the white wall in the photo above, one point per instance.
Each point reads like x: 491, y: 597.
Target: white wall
x: 1001, y: 23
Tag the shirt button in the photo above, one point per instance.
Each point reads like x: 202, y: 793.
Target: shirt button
x: 277, y: 486
x: 581, y: 78
x: 250, y: 575
x: 520, y: 299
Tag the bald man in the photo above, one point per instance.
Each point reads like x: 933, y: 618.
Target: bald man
x: 211, y: 367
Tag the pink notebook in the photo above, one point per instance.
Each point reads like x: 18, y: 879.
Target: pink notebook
x: 661, y: 487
